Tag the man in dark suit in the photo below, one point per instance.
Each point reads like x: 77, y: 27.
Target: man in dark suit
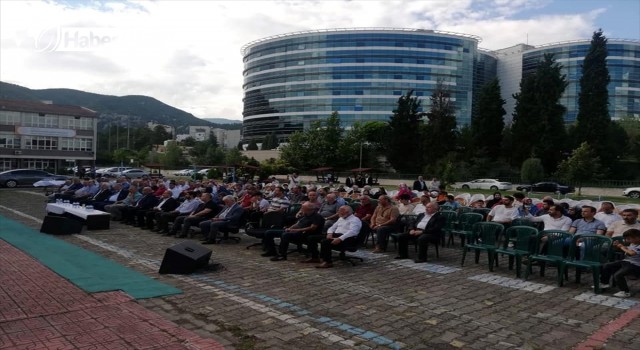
x: 117, y: 194
x: 229, y: 217
x: 427, y: 229
x: 145, y: 203
x: 420, y: 184
x: 167, y: 204
x: 103, y: 194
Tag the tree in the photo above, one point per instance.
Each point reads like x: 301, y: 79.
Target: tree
x: 593, y: 118
x: 160, y: 135
x: 316, y: 146
x: 404, y: 136
x: 233, y: 157
x: 189, y: 142
x: 538, y: 120
x: 582, y: 166
x: 441, y: 131
x: 123, y: 155
x: 270, y: 141
x: 532, y: 170
x: 173, y: 156
x: 252, y: 146
x: 487, y: 122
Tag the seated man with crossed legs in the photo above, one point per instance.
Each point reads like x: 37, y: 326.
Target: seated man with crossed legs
x: 342, y: 232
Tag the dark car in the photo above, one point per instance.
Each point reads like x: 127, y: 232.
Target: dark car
x: 26, y: 177
x: 552, y: 187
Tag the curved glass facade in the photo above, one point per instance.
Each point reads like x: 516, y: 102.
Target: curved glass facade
x: 295, y: 79
x: 623, y: 61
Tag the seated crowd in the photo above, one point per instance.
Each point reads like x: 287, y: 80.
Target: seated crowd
x: 327, y: 219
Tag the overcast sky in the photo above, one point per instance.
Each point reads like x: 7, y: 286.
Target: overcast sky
x: 187, y: 54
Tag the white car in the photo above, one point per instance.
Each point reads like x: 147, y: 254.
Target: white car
x: 134, y: 173
x: 632, y: 192
x: 486, y: 184
x: 115, y: 171
x: 184, y: 172
x: 204, y: 171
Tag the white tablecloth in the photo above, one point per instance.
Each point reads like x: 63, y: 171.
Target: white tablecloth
x: 59, y: 208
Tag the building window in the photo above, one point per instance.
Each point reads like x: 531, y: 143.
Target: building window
x: 40, y: 121
x: 9, y: 140
x: 9, y: 118
x: 40, y: 142
x: 76, y: 144
x: 41, y: 164
x: 76, y: 123
x: 7, y: 164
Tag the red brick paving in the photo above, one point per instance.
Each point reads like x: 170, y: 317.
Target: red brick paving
x: 41, y: 310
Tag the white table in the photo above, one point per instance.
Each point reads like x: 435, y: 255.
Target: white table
x: 94, y: 219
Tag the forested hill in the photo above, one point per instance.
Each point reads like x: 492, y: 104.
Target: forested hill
x: 138, y: 109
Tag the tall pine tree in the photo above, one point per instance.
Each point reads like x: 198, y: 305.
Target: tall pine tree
x: 441, y: 129
x: 538, y: 121
x: 404, y: 150
x: 488, y: 122
x: 593, y: 120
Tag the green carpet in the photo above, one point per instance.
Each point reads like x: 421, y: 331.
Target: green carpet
x: 85, y: 269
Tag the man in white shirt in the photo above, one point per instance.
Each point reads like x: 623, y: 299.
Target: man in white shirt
x: 629, y: 221
x: 343, y: 232
x: 503, y: 213
x: 190, y: 203
x: 606, y: 214
x: 553, y: 220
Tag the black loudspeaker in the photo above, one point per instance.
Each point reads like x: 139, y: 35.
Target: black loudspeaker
x: 185, y: 258
x: 60, y: 225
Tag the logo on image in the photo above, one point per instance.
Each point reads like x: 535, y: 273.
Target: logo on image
x: 74, y: 39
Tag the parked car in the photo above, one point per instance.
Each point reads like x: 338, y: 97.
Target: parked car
x: 487, y: 184
x: 547, y: 186
x: 26, y: 177
x: 204, y: 171
x: 632, y: 192
x: 134, y: 173
x: 184, y: 172
x: 114, y: 171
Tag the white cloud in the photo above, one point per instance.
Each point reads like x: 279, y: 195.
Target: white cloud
x: 187, y: 54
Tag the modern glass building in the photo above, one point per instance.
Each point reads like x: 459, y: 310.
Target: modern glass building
x: 295, y: 79
x: 623, y: 61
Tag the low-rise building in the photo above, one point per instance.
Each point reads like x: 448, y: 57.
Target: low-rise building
x: 40, y: 135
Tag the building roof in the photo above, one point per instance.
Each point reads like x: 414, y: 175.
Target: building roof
x: 46, y: 108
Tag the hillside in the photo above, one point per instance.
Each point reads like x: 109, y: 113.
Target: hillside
x: 222, y: 121
x: 139, y: 109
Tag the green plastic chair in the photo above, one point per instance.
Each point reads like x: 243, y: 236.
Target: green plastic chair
x: 465, y: 224
x: 405, y: 223
x: 446, y: 207
x: 519, y: 242
x: 523, y: 222
x: 555, y: 252
x: 354, y: 206
x: 450, y: 225
x: 463, y: 210
x: 484, y: 211
x: 592, y: 258
x: 485, y: 237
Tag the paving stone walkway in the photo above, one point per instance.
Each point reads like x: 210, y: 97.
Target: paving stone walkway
x: 253, y: 303
x: 41, y: 310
